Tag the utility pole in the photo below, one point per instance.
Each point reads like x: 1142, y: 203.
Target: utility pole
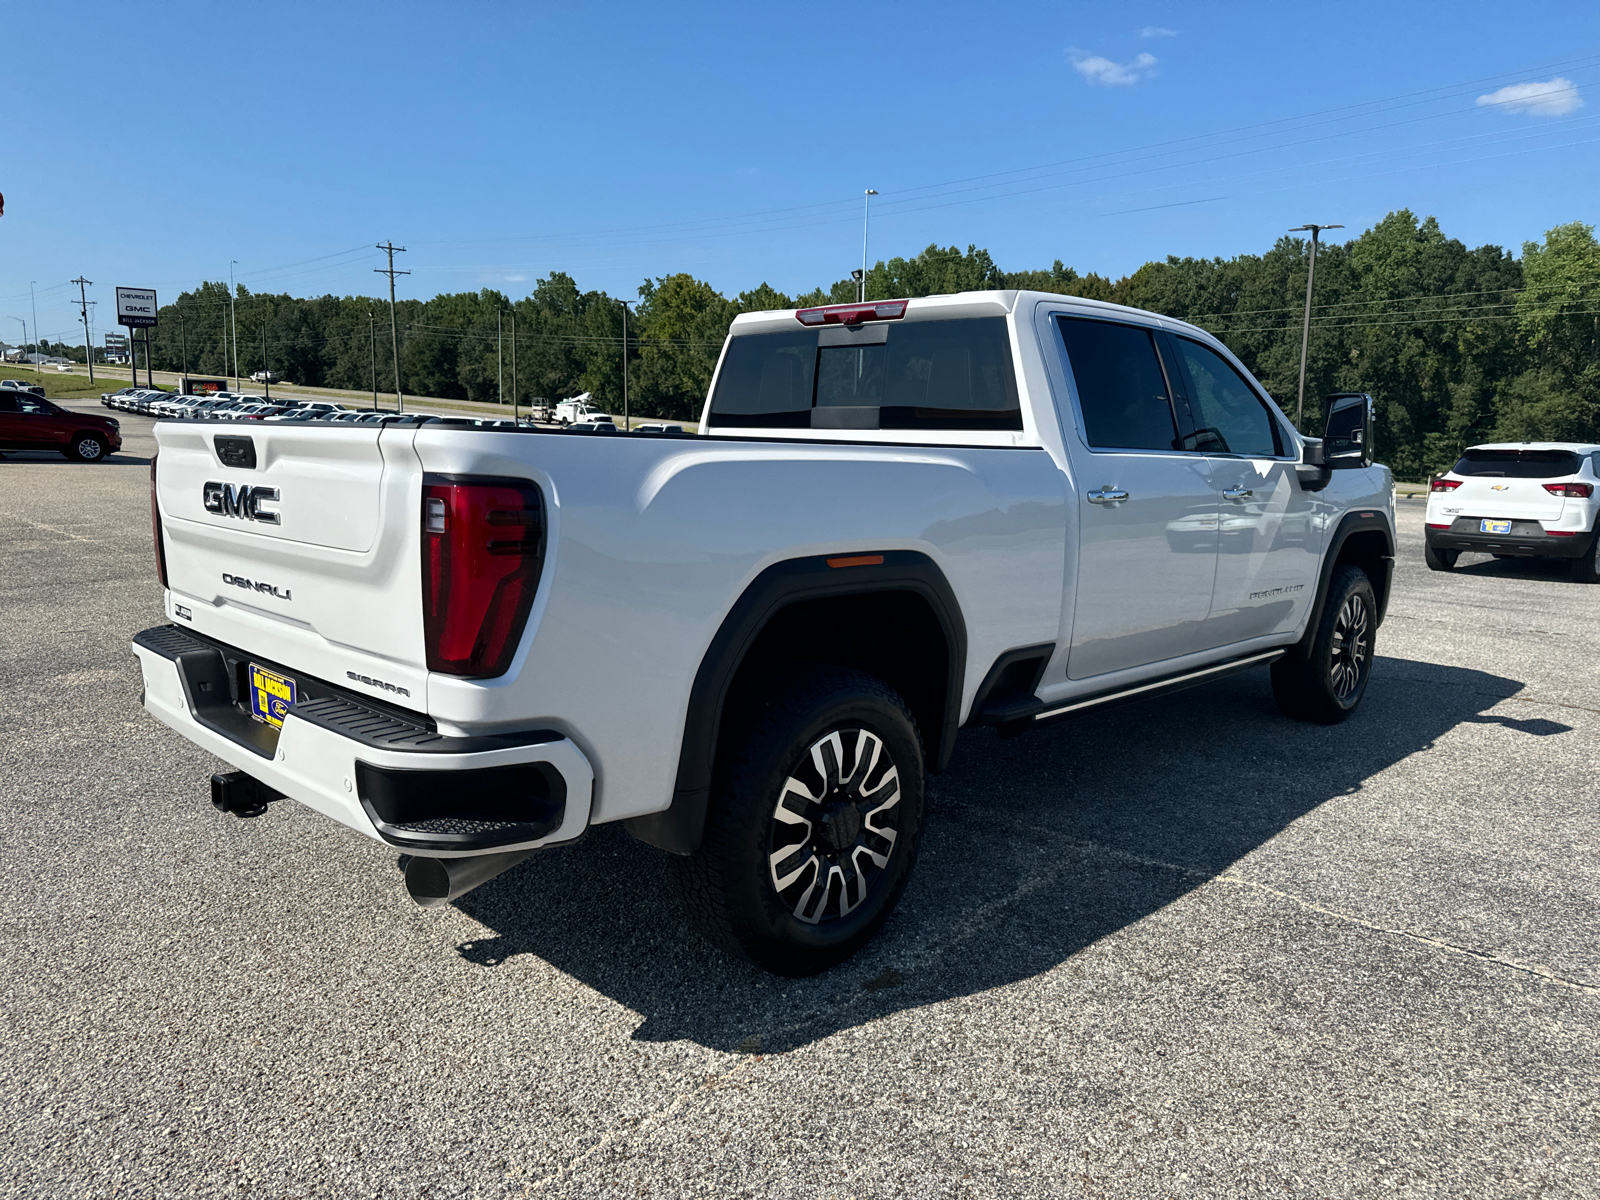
x: 372, y: 338
x: 37, y: 366
x: 627, y: 425
x: 394, y: 329
x: 266, y: 368
x: 861, y: 293
x: 500, y: 351
x: 233, y: 318
x: 183, y: 335
x: 83, y: 304
x: 1305, y: 330
x: 514, y: 394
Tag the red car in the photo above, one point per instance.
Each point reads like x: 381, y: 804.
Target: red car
x: 29, y: 422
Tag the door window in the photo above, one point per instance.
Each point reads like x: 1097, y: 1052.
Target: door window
x: 1122, y: 390
x: 1229, y: 417
x: 8, y: 404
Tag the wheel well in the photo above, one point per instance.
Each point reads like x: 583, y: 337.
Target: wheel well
x: 1368, y: 549
x: 895, y: 635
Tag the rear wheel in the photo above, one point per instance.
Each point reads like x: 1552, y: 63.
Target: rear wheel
x: 815, y: 816
x: 1326, y: 686
x: 88, y: 447
x: 1440, y: 560
x: 1584, y: 569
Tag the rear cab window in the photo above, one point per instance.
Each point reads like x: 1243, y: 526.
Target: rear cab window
x: 953, y: 374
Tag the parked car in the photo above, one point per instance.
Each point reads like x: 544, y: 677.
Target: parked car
x: 1518, y: 500
x: 107, y: 397
x: 591, y: 427
x: 17, y: 385
x: 900, y: 520
x: 30, y: 422
x: 654, y: 427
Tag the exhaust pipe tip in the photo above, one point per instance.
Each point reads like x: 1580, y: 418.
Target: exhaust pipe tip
x: 433, y: 882
x: 428, y: 881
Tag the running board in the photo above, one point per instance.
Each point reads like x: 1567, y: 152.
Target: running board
x: 1142, y: 691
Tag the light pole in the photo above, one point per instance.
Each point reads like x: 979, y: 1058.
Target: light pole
x: 861, y: 289
x: 1305, y: 330
x: 233, y: 320
x: 626, y: 423
x: 37, y: 366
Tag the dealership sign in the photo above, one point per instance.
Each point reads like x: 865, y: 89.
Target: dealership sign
x: 116, y: 341
x: 136, y: 307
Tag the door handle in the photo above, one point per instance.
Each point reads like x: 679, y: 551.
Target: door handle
x: 1107, y: 496
x: 1238, y: 493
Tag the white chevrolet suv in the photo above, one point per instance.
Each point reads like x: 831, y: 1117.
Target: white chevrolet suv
x: 1517, y: 500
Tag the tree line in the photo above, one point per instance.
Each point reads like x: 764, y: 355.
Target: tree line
x: 1458, y: 345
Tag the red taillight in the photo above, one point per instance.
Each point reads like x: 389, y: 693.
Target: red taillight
x: 155, y: 527
x: 482, y: 542
x: 1445, y: 485
x: 852, y: 314
x: 1570, y: 489
x: 1563, y: 532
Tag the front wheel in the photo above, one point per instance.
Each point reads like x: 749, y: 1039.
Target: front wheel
x: 88, y: 447
x: 1326, y: 686
x: 814, y: 821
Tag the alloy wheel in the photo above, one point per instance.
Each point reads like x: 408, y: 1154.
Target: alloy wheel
x: 88, y: 449
x: 834, y: 825
x: 1350, y: 649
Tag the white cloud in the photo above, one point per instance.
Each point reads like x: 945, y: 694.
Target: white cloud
x: 1100, y: 70
x: 1553, y: 98
x: 1157, y: 31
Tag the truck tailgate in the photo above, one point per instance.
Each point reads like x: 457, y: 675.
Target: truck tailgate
x: 299, y: 543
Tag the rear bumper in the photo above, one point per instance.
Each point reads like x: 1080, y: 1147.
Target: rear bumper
x: 1540, y: 545
x: 382, y: 774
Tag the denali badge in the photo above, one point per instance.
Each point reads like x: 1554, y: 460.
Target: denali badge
x: 243, y: 502
x: 254, y: 586
x: 378, y: 683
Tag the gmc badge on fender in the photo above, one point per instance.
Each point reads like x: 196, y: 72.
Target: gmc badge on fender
x: 243, y: 502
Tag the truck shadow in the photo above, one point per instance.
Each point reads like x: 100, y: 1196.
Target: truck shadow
x: 1035, y: 849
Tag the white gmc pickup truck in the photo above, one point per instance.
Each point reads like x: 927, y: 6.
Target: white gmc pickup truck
x: 899, y: 520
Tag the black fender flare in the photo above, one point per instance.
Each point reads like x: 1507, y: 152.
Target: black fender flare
x: 1359, y: 520
x: 678, y: 827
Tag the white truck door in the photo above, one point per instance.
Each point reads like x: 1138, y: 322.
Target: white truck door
x: 1269, y: 544
x: 1147, y: 545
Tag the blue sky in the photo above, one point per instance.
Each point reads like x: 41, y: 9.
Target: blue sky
x: 498, y: 142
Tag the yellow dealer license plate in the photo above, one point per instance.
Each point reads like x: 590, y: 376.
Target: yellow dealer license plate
x: 1494, y: 526
x: 271, y: 695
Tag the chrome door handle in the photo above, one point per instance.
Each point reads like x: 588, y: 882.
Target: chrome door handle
x: 1107, y: 496
x: 1238, y: 493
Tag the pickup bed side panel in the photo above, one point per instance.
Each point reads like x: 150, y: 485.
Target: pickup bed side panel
x: 653, y: 542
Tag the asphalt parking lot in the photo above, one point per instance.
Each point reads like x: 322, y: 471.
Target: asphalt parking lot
x: 1187, y: 948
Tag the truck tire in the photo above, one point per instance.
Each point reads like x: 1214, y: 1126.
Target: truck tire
x: 1440, y: 560
x: 822, y: 782
x: 1326, y: 686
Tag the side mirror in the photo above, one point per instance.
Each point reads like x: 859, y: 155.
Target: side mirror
x: 1311, y: 470
x: 1347, y: 442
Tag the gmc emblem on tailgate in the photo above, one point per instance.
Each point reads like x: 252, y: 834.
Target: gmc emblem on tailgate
x: 243, y: 502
